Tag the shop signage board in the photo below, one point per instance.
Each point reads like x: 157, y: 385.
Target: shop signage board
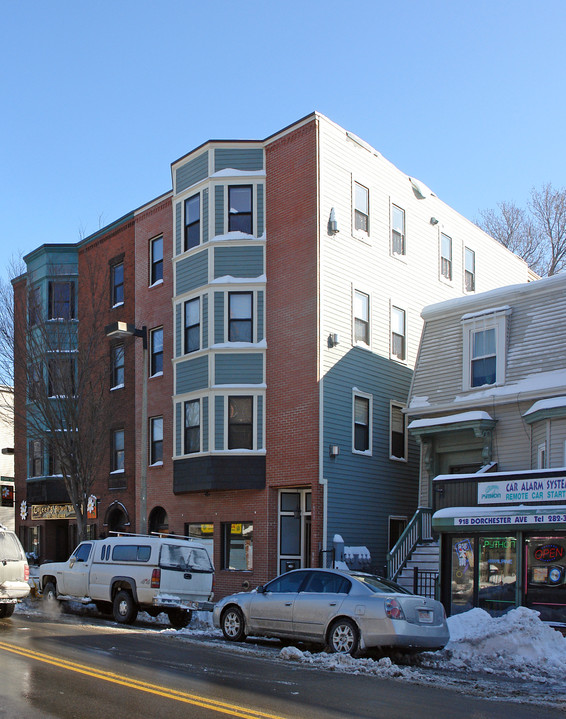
x: 511, y: 520
x: 52, y: 511
x: 522, y: 490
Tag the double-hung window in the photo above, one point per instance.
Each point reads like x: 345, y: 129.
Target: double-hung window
x: 156, y: 440
x: 192, y: 222
x: 240, y: 209
x: 61, y: 301
x: 192, y: 325
x: 469, y: 270
x: 240, y: 422
x: 397, y: 231
x: 34, y: 306
x: 118, y: 450
x: 192, y: 426
x: 36, y: 458
x: 484, y: 337
x: 240, y: 317
x: 362, y: 424
x: 156, y: 252
x: 398, y: 434
x: 156, y: 350
x: 61, y: 377
x: 361, y: 208
x: 118, y: 366
x: 446, y: 256
x: 484, y: 357
x: 361, y: 317
x: 398, y: 333
x: 117, y: 282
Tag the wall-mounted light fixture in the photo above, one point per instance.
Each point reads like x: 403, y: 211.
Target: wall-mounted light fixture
x: 333, y: 223
x: 334, y: 450
x: 333, y: 339
x: 433, y: 221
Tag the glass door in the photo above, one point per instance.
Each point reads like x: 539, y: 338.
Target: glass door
x: 294, y: 529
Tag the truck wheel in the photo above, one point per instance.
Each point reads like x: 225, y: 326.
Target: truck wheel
x: 124, y: 608
x: 50, y: 594
x: 6, y: 610
x: 179, y: 618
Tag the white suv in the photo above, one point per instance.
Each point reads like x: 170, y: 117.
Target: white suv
x: 128, y: 573
x: 14, y: 572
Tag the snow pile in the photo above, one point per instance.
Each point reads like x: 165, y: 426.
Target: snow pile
x: 383, y: 668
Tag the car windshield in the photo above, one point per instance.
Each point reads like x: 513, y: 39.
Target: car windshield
x: 185, y: 558
x: 380, y: 585
x: 9, y: 548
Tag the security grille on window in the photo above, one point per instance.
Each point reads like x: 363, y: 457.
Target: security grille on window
x: 361, y: 208
x: 156, y: 260
x: 361, y: 317
x: 484, y: 357
x: 192, y: 325
x: 446, y: 256
x: 117, y: 274
x: 156, y: 448
x: 240, y: 209
x: 237, y: 546
x: 156, y: 351
x: 118, y: 366
x: 398, y: 434
x: 397, y: 230
x: 361, y: 423
x: 240, y: 321
x: 398, y: 332
x: 192, y: 222
x: 240, y: 422
x: 192, y: 426
x: 118, y: 450
x: 61, y: 301
x: 470, y: 270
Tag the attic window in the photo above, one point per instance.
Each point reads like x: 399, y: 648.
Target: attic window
x: 484, y: 349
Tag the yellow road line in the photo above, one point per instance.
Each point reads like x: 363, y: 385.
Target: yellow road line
x: 204, y: 702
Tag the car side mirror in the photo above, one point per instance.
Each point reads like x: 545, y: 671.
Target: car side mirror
x: 72, y: 561
x: 260, y: 589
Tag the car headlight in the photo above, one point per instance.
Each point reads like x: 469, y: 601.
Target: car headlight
x: 393, y: 609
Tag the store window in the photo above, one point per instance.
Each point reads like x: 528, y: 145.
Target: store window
x: 462, y: 585
x: 546, y: 576
x: 237, y: 546
x: 497, y: 578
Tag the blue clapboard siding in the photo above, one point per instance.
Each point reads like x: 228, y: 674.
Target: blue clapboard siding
x: 204, y: 424
x: 259, y: 323
x: 204, y: 215
x: 204, y: 321
x: 219, y: 210
x: 178, y: 330
x: 260, y: 422
x: 246, y: 368
x: 178, y: 429
x: 219, y: 422
x: 238, y: 261
x: 218, y: 317
x: 192, y: 375
x: 193, y: 171
x: 245, y: 159
x: 192, y: 272
x: 178, y: 229
x: 260, y: 224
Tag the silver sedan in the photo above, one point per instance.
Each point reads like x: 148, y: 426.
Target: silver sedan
x: 346, y: 612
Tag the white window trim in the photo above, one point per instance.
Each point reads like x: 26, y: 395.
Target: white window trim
x: 483, y: 321
x: 184, y: 401
x: 393, y: 304
x: 362, y: 291
x: 542, y: 456
x: 235, y: 289
x: 401, y: 406
x: 360, y: 234
x: 468, y: 292
x: 357, y: 393
x: 442, y: 277
x: 396, y: 255
x: 233, y: 182
x: 254, y: 396
x: 184, y: 352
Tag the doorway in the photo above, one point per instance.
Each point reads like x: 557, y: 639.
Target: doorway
x: 294, y: 529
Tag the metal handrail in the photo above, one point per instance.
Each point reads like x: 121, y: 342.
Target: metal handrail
x: 419, y: 529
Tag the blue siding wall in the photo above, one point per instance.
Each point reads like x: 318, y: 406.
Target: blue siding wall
x: 192, y: 272
x: 178, y: 428
x: 219, y: 422
x: 178, y: 330
x: 193, y: 171
x: 204, y: 424
x: 244, y: 159
x: 259, y: 323
x: 219, y: 210
x: 178, y: 229
x: 238, y: 261
x: 192, y: 375
x: 260, y: 224
x: 204, y: 217
x: 218, y: 317
x: 238, y: 368
x: 204, y: 301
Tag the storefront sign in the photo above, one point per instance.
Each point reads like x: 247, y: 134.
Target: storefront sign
x: 522, y: 490
x: 494, y: 520
x: 52, y: 511
x: 7, y: 495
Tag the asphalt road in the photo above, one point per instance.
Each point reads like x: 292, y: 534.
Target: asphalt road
x: 82, y: 667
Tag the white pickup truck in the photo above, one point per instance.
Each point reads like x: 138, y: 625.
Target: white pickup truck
x: 126, y: 574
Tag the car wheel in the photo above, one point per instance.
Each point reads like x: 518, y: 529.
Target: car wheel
x: 6, y: 610
x: 179, y: 618
x: 124, y: 608
x: 50, y: 594
x: 343, y: 637
x: 233, y: 625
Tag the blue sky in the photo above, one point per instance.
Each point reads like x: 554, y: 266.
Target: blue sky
x: 99, y: 98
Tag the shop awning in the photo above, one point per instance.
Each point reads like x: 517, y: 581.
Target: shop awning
x: 481, y: 519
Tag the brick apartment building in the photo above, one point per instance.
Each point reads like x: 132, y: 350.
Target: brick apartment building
x: 280, y: 283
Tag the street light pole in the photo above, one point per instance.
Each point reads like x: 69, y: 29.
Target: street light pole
x: 119, y: 330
